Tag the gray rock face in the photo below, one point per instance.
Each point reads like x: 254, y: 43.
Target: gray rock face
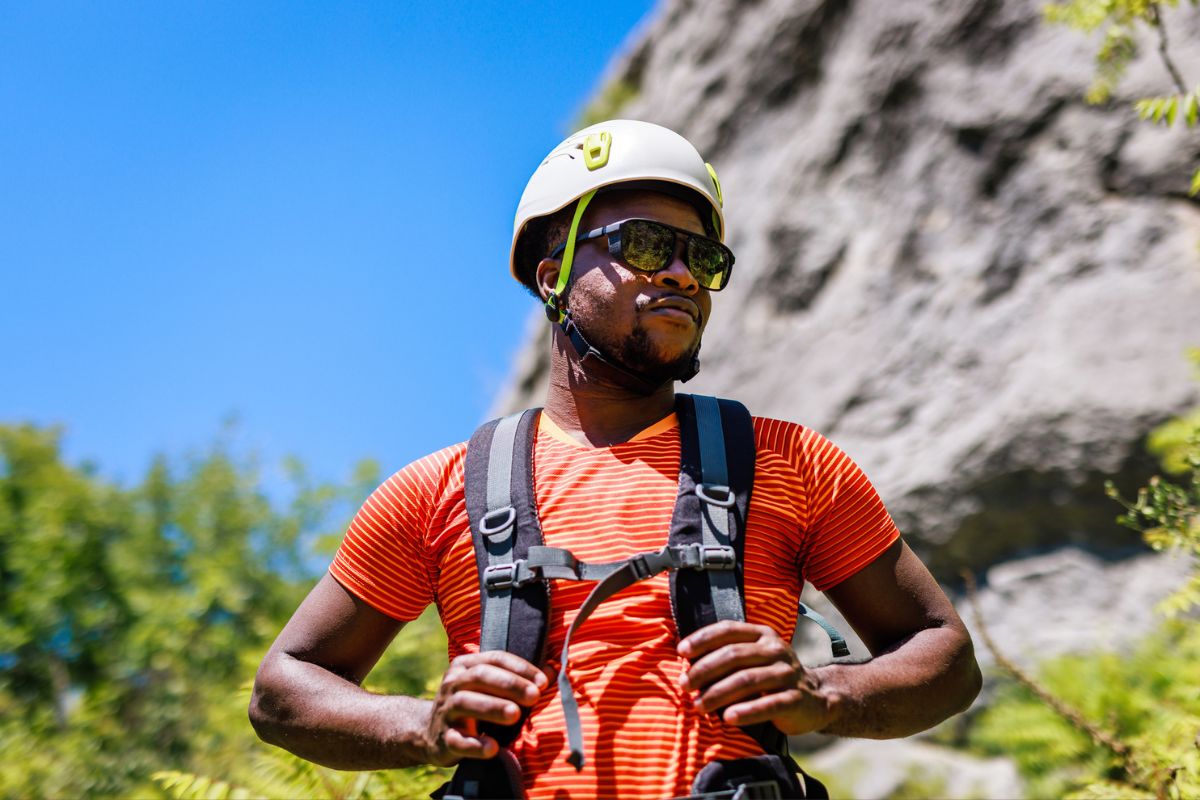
x: 873, y: 770
x: 1072, y: 602
x: 1036, y: 608
x: 976, y: 284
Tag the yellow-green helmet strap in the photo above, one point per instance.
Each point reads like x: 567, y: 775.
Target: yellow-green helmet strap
x: 556, y: 303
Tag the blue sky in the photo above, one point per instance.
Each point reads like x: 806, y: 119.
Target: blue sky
x: 294, y: 213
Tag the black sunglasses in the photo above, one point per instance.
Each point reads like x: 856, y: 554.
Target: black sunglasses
x: 648, y: 246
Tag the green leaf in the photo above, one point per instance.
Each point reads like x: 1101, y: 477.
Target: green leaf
x: 1191, y: 109
x: 1195, y: 184
x: 1169, y: 114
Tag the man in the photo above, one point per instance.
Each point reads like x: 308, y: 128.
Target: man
x: 618, y: 234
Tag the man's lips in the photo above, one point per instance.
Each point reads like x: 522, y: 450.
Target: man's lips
x: 675, y: 303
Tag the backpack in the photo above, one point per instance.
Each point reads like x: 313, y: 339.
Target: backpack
x: 703, y: 554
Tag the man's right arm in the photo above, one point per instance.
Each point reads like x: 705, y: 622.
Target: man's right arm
x: 308, y: 699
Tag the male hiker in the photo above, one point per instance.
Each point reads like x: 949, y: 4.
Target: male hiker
x: 647, y: 549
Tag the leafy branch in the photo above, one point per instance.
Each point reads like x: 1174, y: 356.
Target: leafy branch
x: 1101, y: 737
x: 1151, y: 767
x: 1120, y: 19
x: 1166, y: 513
x: 1148, y: 754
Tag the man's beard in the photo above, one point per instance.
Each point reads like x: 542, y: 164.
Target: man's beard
x: 638, y: 354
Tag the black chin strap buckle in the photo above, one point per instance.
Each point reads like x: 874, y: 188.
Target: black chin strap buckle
x: 553, y: 308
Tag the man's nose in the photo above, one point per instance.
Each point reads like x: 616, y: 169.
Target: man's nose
x: 676, y: 274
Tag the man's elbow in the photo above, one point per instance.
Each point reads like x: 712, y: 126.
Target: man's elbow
x: 266, y: 711
x: 966, y: 675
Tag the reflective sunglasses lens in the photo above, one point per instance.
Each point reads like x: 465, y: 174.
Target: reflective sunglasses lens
x: 707, y: 261
x: 645, y: 245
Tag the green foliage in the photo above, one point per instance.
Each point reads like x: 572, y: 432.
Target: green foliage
x: 1167, y: 513
x: 1148, y: 700
x: 131, y: 616
x: 1136, y: 731
x: 275, y: 774
x: 1121, y: 20
x: 613, y: 96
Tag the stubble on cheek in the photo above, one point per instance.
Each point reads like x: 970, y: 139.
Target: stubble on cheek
x: 640, y: 353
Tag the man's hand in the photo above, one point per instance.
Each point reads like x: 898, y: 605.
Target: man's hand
x: 753, y: 675
x: 479, y: 686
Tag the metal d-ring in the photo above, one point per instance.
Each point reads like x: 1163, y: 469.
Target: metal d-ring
x: 703, y: 489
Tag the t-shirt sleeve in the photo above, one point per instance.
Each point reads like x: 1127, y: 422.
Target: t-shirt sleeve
x: 848, y: 526
x: 383, y: 560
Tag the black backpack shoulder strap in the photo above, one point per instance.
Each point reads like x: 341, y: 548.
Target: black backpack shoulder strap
x: 504, y: 525
x: 716, y: 476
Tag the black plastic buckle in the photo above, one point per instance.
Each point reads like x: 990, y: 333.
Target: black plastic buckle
x: 552, y: 307
x: 508, y: 576
x: 699, y: 557
x: 645, y: 565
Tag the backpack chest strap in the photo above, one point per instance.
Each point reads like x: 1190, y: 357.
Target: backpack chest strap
x: 558, y: 563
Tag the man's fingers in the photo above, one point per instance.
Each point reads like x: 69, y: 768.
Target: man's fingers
x: 719, y: 634
x: 732, y: 657
x: 507, y: 661
x: 495, y: 679
x: 792, y: 711
x: 460, y: 745
x: 762, y: 709
x: 747, y: 683
x: 467, y: 705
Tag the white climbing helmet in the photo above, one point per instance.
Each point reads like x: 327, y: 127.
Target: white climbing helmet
x: 607, y: 153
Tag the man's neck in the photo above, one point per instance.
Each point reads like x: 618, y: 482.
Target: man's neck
x: 597, y: 411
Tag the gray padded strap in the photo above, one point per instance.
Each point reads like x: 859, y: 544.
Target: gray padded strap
x: 499, y: 528
x: 717, y: 498
x: 555, y: 562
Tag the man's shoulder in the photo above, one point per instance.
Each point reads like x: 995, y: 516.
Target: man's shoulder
x: 436, y: 472
x: 781, y: 435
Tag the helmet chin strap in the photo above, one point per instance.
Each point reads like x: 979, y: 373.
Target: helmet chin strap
x: 593, y: 359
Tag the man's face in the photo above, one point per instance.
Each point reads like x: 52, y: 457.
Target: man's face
x: 652, y: 322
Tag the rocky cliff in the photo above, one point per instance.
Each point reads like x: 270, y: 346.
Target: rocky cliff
x: 975, y: 283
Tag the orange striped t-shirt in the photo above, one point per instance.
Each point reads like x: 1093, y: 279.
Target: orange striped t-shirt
x: 813, y: 515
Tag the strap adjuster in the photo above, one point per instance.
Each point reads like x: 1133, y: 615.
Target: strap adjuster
x: 712, y: 557
x: 508, y: 576
x: 644, y: 565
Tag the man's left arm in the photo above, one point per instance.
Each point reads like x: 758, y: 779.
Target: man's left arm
x: 922, y: 669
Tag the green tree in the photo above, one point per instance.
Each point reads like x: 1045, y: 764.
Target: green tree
x: 131, y: 616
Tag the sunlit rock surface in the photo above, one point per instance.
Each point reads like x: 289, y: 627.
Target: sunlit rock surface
x: 978, y: 285
x: 875, y: 770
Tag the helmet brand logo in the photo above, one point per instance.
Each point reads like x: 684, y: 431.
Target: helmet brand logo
x: 595, y: 149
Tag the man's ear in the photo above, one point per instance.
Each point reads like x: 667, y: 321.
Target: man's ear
x: 547, y: 276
